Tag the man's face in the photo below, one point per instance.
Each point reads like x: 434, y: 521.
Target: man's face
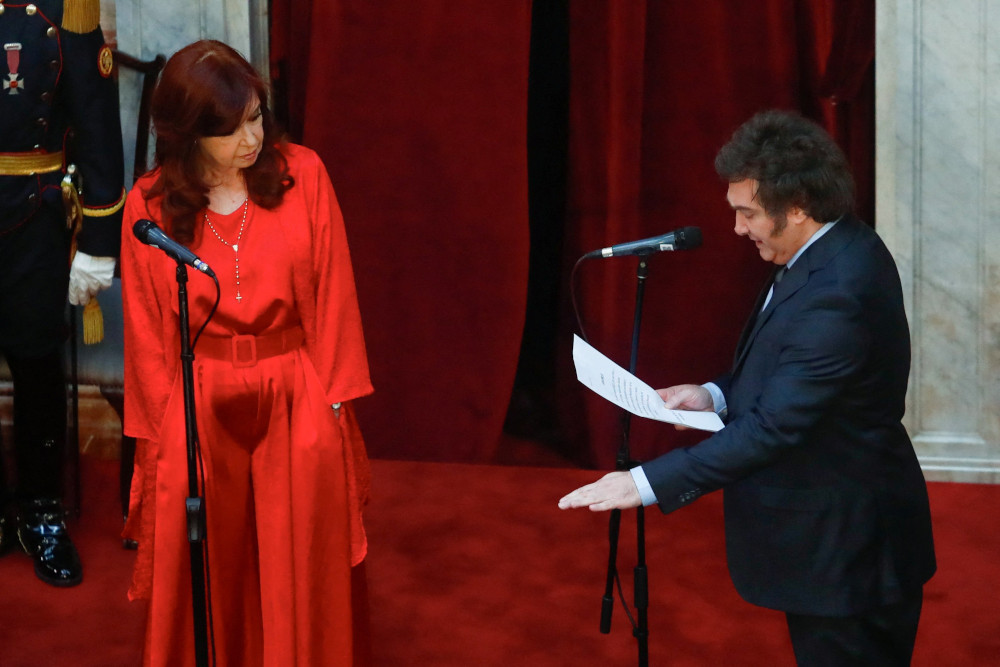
x: 775, y: 241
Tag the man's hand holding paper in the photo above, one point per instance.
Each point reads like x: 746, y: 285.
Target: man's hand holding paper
x: 626, y: 391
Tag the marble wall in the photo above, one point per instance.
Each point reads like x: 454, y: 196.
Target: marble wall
x: 145, y: 28
x: 937, y: 160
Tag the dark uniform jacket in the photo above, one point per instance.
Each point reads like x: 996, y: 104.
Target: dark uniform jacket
x: 59, y: 106
x: 826, y: 507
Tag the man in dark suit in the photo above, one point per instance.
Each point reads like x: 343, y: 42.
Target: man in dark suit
x: 826, y: 509
x: 58, y: 117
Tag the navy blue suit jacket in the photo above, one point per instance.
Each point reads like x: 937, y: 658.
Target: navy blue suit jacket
x: 825, y: 504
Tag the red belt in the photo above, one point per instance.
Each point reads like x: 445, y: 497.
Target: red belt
x: 246, y: 350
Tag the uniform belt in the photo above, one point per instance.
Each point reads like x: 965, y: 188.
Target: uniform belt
x: 246, y: 350
x: 27, y: 164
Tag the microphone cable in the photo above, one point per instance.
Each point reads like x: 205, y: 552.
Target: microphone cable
x: 572, y: 296
x: 616, y: 574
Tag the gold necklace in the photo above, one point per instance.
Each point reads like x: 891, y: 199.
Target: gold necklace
x: 234, y: 246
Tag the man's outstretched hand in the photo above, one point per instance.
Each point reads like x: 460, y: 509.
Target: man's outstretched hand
x: 615, y: 490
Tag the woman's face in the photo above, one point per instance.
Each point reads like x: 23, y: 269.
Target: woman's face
x: 238, y: 150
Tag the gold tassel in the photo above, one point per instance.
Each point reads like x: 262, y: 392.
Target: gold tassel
x: 93, y: 323
x: 81, y: 16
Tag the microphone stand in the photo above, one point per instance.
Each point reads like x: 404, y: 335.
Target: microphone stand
x: 194, y: 504
x: 623, y: 462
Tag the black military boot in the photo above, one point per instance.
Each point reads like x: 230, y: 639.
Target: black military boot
x: 42, y: 531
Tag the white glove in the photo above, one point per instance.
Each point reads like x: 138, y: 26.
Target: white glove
x: 88, y: 276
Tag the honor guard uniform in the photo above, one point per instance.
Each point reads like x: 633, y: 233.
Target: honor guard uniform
x: 58, y: 122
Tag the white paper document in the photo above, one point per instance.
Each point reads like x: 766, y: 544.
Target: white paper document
x: 629, y: 392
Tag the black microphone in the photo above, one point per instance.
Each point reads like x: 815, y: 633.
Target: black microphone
x: 149, y: 233
x: 684, y: 238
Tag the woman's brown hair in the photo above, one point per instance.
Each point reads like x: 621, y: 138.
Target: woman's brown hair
x: 204, y: 91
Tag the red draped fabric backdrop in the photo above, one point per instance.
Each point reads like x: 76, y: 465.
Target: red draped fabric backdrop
x: 420, y: 110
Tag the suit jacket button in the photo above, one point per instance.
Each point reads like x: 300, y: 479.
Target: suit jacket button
x: 51, y: 32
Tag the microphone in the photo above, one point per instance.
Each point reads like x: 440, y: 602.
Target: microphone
x: 149, y: 233
x: 684, y: 238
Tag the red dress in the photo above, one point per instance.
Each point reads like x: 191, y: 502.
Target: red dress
x: 285, y: 474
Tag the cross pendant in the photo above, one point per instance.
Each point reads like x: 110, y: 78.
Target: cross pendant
x: 239, y: 298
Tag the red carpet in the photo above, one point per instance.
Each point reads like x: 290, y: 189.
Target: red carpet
x: 475, y: 565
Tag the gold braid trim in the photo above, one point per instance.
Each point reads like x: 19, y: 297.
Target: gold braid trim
x: 29, y: 164
x: 105, y: 212
x: 81, y: 16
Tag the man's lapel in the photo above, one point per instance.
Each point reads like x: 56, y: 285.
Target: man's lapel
x: 754, y: 314
x: 815, y: 257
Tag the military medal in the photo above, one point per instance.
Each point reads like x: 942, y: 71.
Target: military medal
x: 14, y: 84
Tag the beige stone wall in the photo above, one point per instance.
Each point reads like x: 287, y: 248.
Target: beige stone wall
x: 938, y: 208
x: 145, y: 28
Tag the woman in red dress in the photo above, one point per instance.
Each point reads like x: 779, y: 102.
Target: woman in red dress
x: 284, y: 470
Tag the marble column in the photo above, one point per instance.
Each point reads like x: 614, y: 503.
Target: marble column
x: 145, y: 28
x: 937, y: 160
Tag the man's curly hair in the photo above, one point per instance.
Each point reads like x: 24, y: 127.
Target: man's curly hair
x: 795, y: 163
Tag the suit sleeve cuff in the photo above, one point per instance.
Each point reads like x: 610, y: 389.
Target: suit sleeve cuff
x: 642, y: 484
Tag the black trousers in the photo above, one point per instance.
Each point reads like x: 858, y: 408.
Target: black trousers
x: 39, y: 423
x: 34, y: 274
x: 881, y: 637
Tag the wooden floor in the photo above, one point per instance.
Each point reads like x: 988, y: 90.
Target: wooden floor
x: 100, y: 428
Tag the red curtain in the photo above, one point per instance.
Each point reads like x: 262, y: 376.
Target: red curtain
x: 419, y: 110
x: 656, y: 89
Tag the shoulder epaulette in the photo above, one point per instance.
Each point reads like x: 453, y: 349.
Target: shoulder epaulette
x: 81, y: 16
